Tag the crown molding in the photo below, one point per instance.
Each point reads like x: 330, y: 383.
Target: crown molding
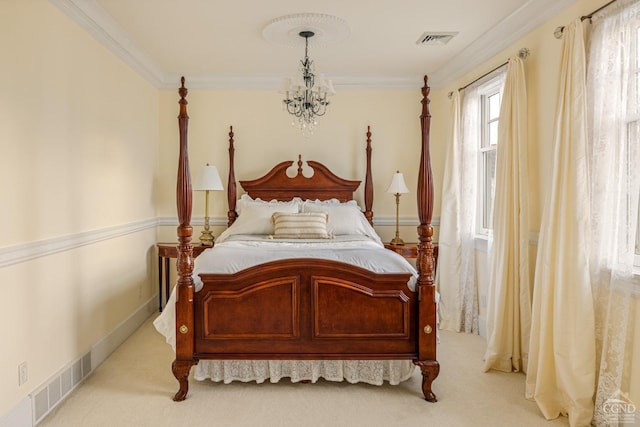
x: 96, y: 21
x: 93, y: 19
x: 526, y: 18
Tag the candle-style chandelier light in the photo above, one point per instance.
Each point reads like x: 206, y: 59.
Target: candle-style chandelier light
x: 306, y: 97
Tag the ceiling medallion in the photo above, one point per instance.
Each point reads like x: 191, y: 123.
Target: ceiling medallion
x: 327, y: 29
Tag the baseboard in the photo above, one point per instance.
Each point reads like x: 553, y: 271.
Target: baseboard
x: 107, y: 345
x: 35, y: 407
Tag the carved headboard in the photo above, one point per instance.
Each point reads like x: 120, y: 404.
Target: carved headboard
x: 322, y: 185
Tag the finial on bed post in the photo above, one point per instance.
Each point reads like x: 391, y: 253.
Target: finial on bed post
x: 427, y: 324
x: 368, y: 183
x: 184, y: 287
x: 231, y: 183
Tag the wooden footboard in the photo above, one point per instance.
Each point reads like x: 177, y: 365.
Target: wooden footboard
x: 305, y: 309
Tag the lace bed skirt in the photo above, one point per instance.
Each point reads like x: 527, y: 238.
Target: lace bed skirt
x: 373, y: 372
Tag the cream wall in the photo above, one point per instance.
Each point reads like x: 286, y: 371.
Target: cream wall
x: 542, y: 73
x: 264, y: 137
x: 79, y: 136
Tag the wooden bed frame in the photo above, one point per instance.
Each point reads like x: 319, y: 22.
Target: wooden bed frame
x: 305, y: 308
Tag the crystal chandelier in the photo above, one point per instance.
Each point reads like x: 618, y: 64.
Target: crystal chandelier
x: 306, y: 96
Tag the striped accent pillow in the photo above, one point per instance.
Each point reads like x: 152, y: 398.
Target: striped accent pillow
x: 307, y: 225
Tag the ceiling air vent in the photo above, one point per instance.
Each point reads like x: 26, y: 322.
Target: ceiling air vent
x: 431, y: 38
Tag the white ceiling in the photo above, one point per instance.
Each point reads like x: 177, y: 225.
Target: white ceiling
x: 218, y: 44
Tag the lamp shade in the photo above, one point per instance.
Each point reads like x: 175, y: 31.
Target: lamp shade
x: 397, y: 185
x: 209, y: 179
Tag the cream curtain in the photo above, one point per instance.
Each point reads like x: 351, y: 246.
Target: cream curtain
x: 614, y: 127
x: 561, y: 368
x: 509, y: 294
x: 455, y: 276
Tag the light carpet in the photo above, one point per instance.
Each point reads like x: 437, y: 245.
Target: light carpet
x: 134, y: 387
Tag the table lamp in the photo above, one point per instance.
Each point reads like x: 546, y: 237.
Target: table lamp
x: 209, y: 180
x: 397, y: 187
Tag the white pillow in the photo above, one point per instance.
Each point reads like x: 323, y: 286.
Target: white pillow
x: 344, y: 218
x: 305, y: 225
x: 331, y: 202
x: 254, y: 216
x: 246, y: 201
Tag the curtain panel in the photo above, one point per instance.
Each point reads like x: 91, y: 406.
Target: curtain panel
x: 455, y: 277
x: 614, y: 154
x: 509, y: 294
x: 561, y: 367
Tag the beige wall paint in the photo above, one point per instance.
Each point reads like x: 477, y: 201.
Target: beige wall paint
x: 79, y: 135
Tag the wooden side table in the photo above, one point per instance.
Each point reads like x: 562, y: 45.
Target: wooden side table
x: 165, y: 252
x: 410, y: 250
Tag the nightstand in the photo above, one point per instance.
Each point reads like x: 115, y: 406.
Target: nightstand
x: 410, y: 250
x: 165, y: 252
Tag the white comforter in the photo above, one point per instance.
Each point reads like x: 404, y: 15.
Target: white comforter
x: 238, y: 252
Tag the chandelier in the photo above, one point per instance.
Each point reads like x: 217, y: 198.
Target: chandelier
x: 306, y: 97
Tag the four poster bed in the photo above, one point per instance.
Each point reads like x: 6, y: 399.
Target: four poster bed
x: 320, y: 296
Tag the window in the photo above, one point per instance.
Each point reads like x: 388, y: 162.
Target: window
x: 490, y: 98
x: 613, y: 89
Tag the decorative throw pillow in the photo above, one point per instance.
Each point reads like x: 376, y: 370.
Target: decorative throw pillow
x: 310, y: 225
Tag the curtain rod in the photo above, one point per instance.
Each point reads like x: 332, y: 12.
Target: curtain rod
x: 557, y: 33
x: 582, y: 18
x: 522, y: 53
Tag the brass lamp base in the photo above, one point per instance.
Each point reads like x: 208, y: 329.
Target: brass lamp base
x: 206, y: 238
x: 397, y: 241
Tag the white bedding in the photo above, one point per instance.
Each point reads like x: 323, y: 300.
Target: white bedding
x: 237, y: 252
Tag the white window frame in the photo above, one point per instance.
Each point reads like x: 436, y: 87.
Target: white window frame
x: 485, y: 200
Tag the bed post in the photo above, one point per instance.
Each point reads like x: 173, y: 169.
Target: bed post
x: 184, y: 288
x: 231, y: 183
x: 425, y: 262
x: 368, y: 183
